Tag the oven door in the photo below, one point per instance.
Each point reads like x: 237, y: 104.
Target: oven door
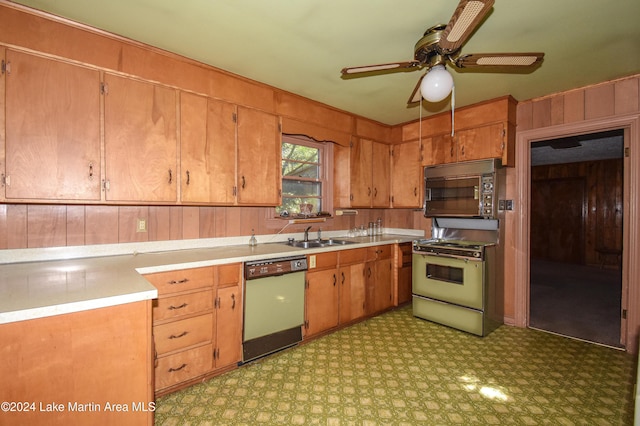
x: 454, y: 196
x: 449, y: 280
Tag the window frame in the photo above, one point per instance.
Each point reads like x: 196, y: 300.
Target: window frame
x: 325, y: 157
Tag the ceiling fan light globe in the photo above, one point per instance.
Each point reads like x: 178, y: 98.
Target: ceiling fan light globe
x: 436, y: 84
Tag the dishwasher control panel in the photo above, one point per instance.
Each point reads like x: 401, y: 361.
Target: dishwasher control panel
x: 269, y: 267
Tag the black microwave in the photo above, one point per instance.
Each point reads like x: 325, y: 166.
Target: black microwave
x: 465, y: 189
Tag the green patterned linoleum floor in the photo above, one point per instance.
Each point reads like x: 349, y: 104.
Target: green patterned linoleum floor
x: 395, y: 369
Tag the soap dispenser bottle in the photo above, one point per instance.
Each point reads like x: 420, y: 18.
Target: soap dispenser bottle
x: 252, y: 240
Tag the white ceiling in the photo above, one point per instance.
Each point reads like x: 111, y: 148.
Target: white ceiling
x: 301, y: 45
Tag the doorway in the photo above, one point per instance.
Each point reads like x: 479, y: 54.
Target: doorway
x: 575, y: 253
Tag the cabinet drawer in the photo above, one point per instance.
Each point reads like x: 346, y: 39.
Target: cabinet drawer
x: 182, y: 366
x: 185, y: 279
x: 379, y: 252
x: 229, y: 274
x: 324, y: 260
x: 182, y: 304
x: 350, y: 256
x: 183, y: 333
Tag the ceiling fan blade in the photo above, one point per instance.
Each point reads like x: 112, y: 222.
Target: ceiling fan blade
x: 499, y: 60
x: 380, y: 67
x: 416, y: 96
x: 464, y: 21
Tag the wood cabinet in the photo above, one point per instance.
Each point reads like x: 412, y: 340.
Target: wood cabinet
x: 51, y: 154
x: 207, y: 150
x: 402, y: 272
x: 406, y: 175
x: 482, y: 131
x: 369, y: 174
x: 91, y: 357
x: 479, y: 143
x: 228, y: 321
x: 348, y: 285
x: 140, y: 125
x: 352, y: 285
x: 228, y: 154
x: 321, y: 295
x: 259, y: 158
x: 379, y: 281
x: 197, y: 323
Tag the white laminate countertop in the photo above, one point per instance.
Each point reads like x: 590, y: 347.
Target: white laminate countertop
x: 42, y: 288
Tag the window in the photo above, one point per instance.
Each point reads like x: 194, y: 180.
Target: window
x: 305, y: 175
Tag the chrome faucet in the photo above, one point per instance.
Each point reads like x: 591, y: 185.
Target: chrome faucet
x: 306, y: 234
x: 319, y: 234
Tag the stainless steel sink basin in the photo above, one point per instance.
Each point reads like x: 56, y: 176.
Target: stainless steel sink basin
x: 320, y: 243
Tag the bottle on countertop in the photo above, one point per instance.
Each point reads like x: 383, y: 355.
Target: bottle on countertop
x: 379, y: 226
x: 253, y: 241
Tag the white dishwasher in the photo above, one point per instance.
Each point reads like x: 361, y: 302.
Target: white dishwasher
x: 273, y: 305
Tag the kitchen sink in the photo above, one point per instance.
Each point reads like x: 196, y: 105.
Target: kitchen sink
x: 320, y: 243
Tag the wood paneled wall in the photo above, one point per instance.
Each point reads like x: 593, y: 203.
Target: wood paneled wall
x: 599, y: 206
x: 607, y: 100
x: 37, y: 226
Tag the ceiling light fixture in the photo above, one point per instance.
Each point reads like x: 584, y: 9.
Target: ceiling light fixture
x: 436, y: 84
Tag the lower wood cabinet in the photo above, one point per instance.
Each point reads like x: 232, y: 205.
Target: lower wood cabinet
x: 402, y: 272
x: 197, y: 323
x: 321, y: 294
x: 379, y: 281
x: 352, y: 285
x: 97, y: 358
x: 348, y: 285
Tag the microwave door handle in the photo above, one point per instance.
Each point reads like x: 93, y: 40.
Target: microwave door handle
x: 427, y: 194
x: 476, y: 192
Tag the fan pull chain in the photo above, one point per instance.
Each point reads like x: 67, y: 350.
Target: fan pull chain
x: 453, y: 107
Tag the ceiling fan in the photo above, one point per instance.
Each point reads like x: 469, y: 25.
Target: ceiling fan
x: 441, y: 44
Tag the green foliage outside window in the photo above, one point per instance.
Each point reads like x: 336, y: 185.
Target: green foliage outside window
x: 301, y: 174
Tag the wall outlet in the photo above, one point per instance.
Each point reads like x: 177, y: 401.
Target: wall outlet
x: 141, y: 225
x: 312, y: 261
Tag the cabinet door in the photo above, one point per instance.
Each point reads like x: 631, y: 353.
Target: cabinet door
x: 439, y: 149
x: 321, y: 301
x: 481, y: 143
x: 352, y: 292
x: 140, y: 141
x: 361, y: 185
x: 207, y: 150
x: 228, y: 327
x: 384, y: 285
x: 406, y: 179
x: 381, y: 175
x: 341, y: 176
x: 259, y: 158
x: 52, y: 130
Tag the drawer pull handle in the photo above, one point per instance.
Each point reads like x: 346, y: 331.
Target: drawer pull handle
x: 173, y: 336
x: 182, y: 281
x: 184, y: 305
x: 171, y: 370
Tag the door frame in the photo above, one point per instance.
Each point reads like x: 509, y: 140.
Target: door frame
x: 630, y: 124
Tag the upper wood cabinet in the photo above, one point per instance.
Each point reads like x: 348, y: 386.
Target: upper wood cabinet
x: 140, y: 131
x: 228, y: 154
x: 370, y: 174
x: 259, y: 158
x: 207, y: 150
x: 406, y: 175
x: 478, y: 143
x: 52, y: 149
x: 482, y: 142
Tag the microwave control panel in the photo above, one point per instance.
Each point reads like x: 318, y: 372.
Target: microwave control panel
x: 487, y: 205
